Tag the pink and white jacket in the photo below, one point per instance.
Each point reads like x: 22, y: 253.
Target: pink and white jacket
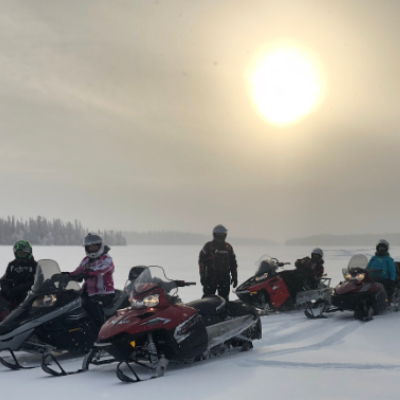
x: 100, y: 273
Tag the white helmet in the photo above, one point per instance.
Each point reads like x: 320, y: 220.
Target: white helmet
x: 220, y: 230
x: 93, y: 239
x: 318, y: 251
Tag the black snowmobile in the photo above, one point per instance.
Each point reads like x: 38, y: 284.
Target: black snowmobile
x: 51, y: 318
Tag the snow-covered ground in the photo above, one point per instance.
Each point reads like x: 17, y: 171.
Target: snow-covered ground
x: 297, y: 358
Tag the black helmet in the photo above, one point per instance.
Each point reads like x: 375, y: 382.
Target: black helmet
x: 93, y: 239
x: 382, y: 247
x: 318, y: 252
x: 220, y: 233
x: 220, y: 230
x: 22, y: 249
x: 135, y: 272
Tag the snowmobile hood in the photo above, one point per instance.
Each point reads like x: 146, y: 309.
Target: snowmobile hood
x: 353, y: 287
x: 23, y: 320
x: 138, y: 321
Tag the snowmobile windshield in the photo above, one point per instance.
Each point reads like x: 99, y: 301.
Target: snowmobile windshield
x: 151, y: 278
x: 356, y: 263
x: 46, y: 280
x: 266, y: 264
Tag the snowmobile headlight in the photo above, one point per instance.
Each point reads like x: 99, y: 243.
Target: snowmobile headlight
x: 146, y: 302
x: 261, y: 277
x: 347, y: 277
x: 47, y: 300
x: 360, y: 277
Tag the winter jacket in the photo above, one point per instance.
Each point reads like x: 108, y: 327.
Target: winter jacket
x: 18, y: 279
x: 98, y: 275
x: 386, y: 266
x: 312, y: 269
x: 216, y: 262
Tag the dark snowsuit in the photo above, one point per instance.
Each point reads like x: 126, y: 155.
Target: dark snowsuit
x: 217, y: 263
x: 303, y: 275
x: 18, y: 279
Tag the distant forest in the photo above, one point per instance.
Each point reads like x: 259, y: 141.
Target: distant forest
x: 41, y: 231
x: 368, y: 239
x: 184, y: 238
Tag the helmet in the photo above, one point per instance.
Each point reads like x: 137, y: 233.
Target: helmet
x: 22, y: 249
x: 382, y: 243
x: 220, y: 230
x: 135, y: 272
x: 93, y: 239
x: 318, y: 251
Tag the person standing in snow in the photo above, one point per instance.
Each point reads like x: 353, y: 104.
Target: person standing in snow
x: 19, y: 275
x: 217, y: 265
x: 384, y: 266
x: 97, y: 270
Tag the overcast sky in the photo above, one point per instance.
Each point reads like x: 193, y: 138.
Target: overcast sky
x: 137, y: 115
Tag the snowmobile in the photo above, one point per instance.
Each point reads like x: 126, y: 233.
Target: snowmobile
x: 359, y: 292
x: 51, y: 318
x: 158, y: 328
x: 268, y: 290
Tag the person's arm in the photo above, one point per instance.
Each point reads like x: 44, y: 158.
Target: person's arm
x: 106, y: 266
x: 233, y: 267
x: 79, y: 270
x: 203, y: 265
x: 6, y: 284
x: 392, y: 269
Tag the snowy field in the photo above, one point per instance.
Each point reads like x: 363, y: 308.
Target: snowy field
x: 297, y: 358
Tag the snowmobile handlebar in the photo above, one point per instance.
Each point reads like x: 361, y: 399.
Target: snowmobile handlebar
x: 183, y: 283
x: 282, y: 264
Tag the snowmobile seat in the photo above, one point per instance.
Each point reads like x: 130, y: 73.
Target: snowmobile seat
x: 211, y: 304
x: 117, y: 303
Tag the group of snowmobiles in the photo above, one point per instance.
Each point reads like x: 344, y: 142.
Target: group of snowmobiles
x: 148, y: 326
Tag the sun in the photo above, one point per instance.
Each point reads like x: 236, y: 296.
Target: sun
x: 285, y: 85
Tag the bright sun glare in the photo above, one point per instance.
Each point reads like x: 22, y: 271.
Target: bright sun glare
x: 285, y: 86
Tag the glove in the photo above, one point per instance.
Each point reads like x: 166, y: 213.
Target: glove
x: 203, y: 281
x: 234, y: 281
x: 180, y: 283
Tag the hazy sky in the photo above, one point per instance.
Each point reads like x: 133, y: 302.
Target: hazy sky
x: 138, y: 115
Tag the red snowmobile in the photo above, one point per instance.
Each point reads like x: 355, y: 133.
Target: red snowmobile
x: 360, y: 293
x: 158, y: 328
x: 270, y: 289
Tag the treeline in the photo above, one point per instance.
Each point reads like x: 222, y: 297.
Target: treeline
x: 41, y: 231
x: 173, y: 238
x: 368, y: 239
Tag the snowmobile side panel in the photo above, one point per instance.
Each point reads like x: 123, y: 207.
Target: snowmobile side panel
x: 15, y: 342
x: 220, y: 333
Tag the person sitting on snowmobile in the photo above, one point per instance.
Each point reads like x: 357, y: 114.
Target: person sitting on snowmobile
x: 385, y: 267
x: 19, y: 275
x: 313, y: 267
x: 307, y: 274
x: 217, y: 265
x: 97, y: 270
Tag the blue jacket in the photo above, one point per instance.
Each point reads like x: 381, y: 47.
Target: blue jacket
x: 385, y: 264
